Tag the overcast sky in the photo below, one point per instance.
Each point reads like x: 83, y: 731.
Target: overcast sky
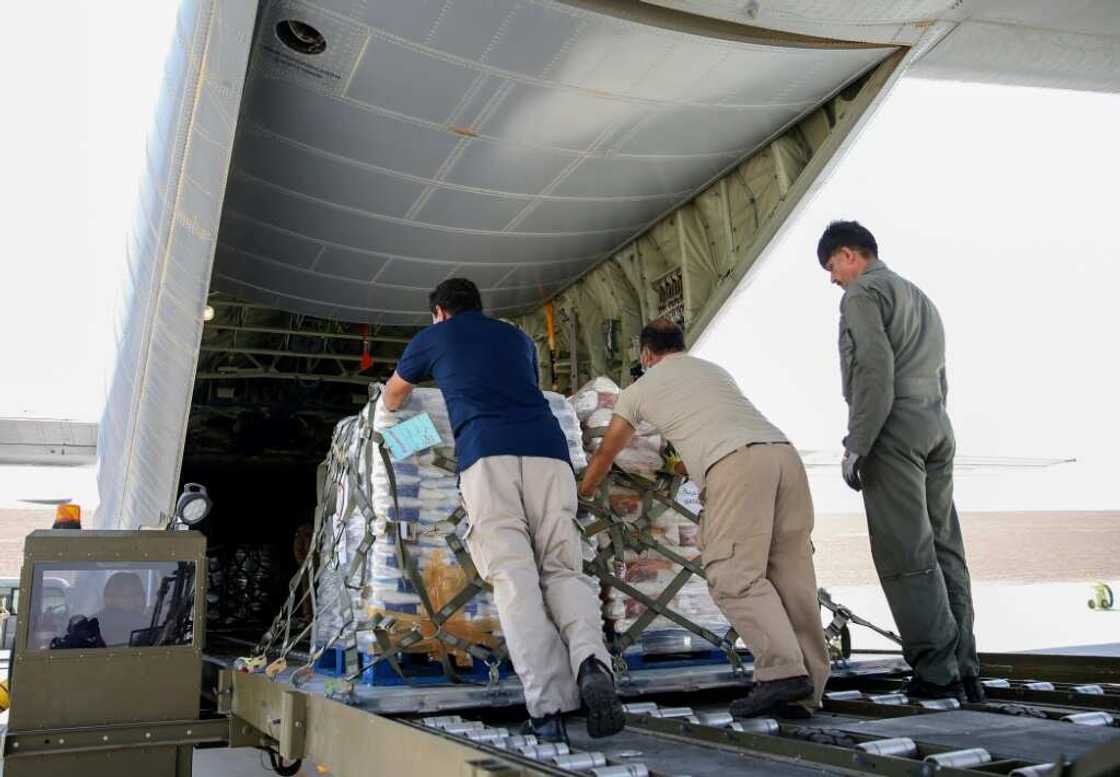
x: 998, y: 201
x: 78, y: 105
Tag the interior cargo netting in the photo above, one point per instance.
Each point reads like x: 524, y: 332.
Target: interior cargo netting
x: 362, y: 511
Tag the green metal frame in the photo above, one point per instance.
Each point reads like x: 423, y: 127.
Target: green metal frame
x: 76, y: 712
x: 63, y: 741
x: 350, y: 741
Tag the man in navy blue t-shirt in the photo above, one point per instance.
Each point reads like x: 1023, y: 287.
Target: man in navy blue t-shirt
x: 520, y: 494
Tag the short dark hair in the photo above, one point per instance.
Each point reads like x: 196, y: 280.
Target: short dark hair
x: 846, y: 234
x: 662, y: 336
x: 455, y: 295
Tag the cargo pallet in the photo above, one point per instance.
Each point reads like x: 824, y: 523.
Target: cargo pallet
x: 420, y: 669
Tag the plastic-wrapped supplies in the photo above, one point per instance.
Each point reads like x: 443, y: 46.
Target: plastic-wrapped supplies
x: 565, y: 414
x: 427, y: 499
x: 596, y: 394
x: 649, y: 571
x: 340, y: 522
x: 594, y: 405
x: 426, y: 492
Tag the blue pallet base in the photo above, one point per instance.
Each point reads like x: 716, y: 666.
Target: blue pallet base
x: 331, y: 662
x: 636, y: 660
x: 419, y: 668
x: 423, y: 671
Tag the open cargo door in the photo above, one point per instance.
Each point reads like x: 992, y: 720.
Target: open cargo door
x: 550, y: 150
x: 689, y: 263
x: 170, y: 254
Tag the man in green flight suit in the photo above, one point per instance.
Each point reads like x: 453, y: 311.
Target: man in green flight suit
x: 899, y: 452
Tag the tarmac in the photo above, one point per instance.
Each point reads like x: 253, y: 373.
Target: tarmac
x: 239, y: 763
x: 1032, y: 576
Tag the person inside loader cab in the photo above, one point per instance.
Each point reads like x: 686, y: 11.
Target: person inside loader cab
x: 899, y: 452
x: 757, y: 518
x: 519, y: 491
x: 124, y: 610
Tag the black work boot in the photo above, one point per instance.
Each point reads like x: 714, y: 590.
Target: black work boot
x: 605, y: 715
x: 974, y: 690
x: 788, y: 711
x: 550, y: 728
x: 767, y: 695
x: 923, y: 689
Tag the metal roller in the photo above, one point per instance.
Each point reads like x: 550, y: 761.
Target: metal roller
x: 893, y: 699
x: 672, y: 712
x: 488, y: 735
x: 1089, y: 718
x: 622, y: 770
x: 844, y: 695
x: 901, y: 747
x: 517, y: 742
x: 717, y: 719
x: 439, y: 721
x: 1088, y: 690
x: 547, y: 750
x: 580, y: 762
x: 939, y: 704
x: 463, y: 727
x: 767, y: 726
x: 961, y: 759
x: 998, y: 682
x: 640, y: 707
x: 1041, y: 770
x: 1039, y: 685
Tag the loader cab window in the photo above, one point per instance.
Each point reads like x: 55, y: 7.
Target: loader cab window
x: 111, y: 604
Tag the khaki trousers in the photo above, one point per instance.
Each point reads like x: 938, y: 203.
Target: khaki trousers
x: 523, y: 540
x: 757, y: 555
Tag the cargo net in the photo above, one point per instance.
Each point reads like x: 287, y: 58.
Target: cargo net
x: 241, y: 586
x: 388, y: 574
x: 388, y: 577
x: 644, y: 524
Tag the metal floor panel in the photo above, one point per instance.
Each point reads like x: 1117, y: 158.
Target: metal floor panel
x: 1004, y: 736
x: 677, y: 757
x: 400, y: 699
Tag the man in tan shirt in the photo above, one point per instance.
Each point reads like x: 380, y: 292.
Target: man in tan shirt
x: 757, y: 517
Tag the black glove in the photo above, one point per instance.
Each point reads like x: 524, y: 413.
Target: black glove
x: 81, y: 632
x: 849, y: 468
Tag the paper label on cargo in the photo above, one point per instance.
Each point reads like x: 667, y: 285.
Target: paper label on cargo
x: 411, y: 436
